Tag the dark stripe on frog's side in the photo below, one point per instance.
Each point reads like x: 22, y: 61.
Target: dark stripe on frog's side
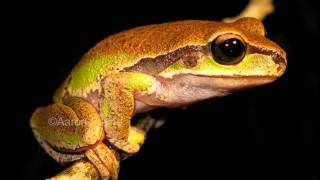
x: 153, y: 66
x: 189, y: 56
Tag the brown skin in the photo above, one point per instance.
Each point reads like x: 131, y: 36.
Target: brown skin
x: 154, y: 40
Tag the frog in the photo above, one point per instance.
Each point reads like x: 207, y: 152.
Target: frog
x: 167, y: 65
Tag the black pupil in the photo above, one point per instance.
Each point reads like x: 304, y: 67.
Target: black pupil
x: 228, y: 52
x: 232, y: 47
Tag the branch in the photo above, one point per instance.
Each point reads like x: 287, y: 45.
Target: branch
x: 256, y: 8
x: 80, y: 170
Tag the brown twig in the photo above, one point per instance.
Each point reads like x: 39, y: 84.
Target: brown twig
x: 80, y: 170
x: 259, y: 9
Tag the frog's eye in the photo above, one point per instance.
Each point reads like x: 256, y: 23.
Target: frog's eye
x: 228, y: 49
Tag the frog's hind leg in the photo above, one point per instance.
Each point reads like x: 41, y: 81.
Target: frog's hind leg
x: 73, y: 131
x: 102, y: 162
x: 66, y: 129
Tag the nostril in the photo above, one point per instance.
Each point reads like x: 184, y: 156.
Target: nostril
x: 282, y: 65
x: 281, y: 62
x: 277, y: 58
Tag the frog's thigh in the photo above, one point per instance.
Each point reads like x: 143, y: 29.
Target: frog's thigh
x: 69, y: 127
x: 116, y: 111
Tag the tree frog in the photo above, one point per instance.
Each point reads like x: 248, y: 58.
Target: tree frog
x: 164, y: 65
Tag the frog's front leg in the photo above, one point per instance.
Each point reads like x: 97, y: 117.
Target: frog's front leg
x: 118, y: 106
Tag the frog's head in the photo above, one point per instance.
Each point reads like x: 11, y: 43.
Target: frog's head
x: 237, y: 56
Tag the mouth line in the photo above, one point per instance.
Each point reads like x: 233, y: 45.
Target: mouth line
x: 237, y: 76
x: 237, y: 82
x: 225, y: 83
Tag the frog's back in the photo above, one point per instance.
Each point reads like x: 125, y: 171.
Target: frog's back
x: 126, y: 48
x: 158, y: 39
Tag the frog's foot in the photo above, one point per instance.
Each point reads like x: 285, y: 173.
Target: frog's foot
x: 105, y: 160
x: 147, y: 123
x: 101, y: 162
x: 131, y: 144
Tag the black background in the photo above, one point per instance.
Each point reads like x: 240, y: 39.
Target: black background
x: 255, y: 133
